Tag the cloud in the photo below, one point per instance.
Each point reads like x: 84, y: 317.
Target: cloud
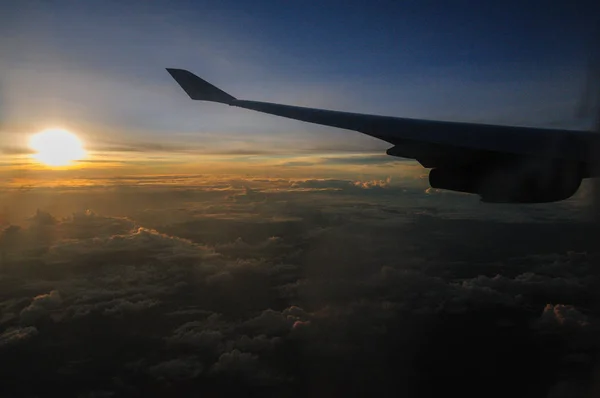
x: 298, y: 163
x: 178, y: 369
x: 249, y: 195
x: 88, y: 224
x: 322, y: 184
x: 563, y: 315
x: 373, y: 184
x: 256, y: 344
x: 15, y: 336
x: 348, y: 186
x: 528, y: 284
x: 241, y: 364
x: 41, y: 218
x: 221, y: 292
x: 196, y: 334
x: 15, y: 150
x: 104, y: 274
x: 377, y: 159
x: 143, y: 147
x: 142, y: 242
x: 40, y: 307
x: 270, y: 323
x: 122, y: 306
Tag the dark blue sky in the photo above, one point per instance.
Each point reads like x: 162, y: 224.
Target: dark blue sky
x: 98, y: 66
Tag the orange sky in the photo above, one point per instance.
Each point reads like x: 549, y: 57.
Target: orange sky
x: 20, y: 165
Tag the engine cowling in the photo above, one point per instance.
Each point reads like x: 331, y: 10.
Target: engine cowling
x: 509, y: 184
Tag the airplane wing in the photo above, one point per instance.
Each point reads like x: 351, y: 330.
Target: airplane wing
x: 435, y: 144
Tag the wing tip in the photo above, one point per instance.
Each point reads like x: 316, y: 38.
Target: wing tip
x: 198, y: 88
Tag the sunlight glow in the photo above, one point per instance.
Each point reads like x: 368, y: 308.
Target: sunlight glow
x: 56, y: 147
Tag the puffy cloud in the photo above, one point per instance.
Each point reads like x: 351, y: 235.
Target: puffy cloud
x: 242, y: 364
x: 14, y: 336
x: 538, y: 287
x: 563, y: 315
x: 9, y: 231
x: 271, y: 322
x: 340, y: 185
x: 256, y: 344
x: 41, y: 218
x: 178, y: 369
x: 123, y: 306
x: 322, y: 184
x: 143, y: 242
x: 374, y: 184
x: 105, y: 303
x: 240, y: 247
x: 220, y: 278
x: 109, y: 274
x: 40, y: 307
x: 249, y: 195
x: 199, y: 335
x: 295, y: 313
x: 88, y: 224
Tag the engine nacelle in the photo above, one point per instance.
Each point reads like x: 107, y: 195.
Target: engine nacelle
x: 509, y: 184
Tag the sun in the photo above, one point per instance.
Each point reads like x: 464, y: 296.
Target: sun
x: 56, y: 147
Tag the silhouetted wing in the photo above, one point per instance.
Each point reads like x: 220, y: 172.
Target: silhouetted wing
x: 419, y: 139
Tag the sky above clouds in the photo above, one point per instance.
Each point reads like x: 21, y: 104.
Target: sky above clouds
x: 97, y: 68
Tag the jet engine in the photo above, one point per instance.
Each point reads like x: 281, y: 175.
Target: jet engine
x: 510, y: 184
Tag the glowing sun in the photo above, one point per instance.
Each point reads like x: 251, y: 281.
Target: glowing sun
x: 56, y: 147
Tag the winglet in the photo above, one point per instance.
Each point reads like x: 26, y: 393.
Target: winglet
x: 199, y: 89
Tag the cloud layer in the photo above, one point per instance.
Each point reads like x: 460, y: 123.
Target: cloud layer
x: 295, y: 287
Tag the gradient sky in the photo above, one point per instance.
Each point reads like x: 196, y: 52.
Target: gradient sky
x: 97, y: 69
